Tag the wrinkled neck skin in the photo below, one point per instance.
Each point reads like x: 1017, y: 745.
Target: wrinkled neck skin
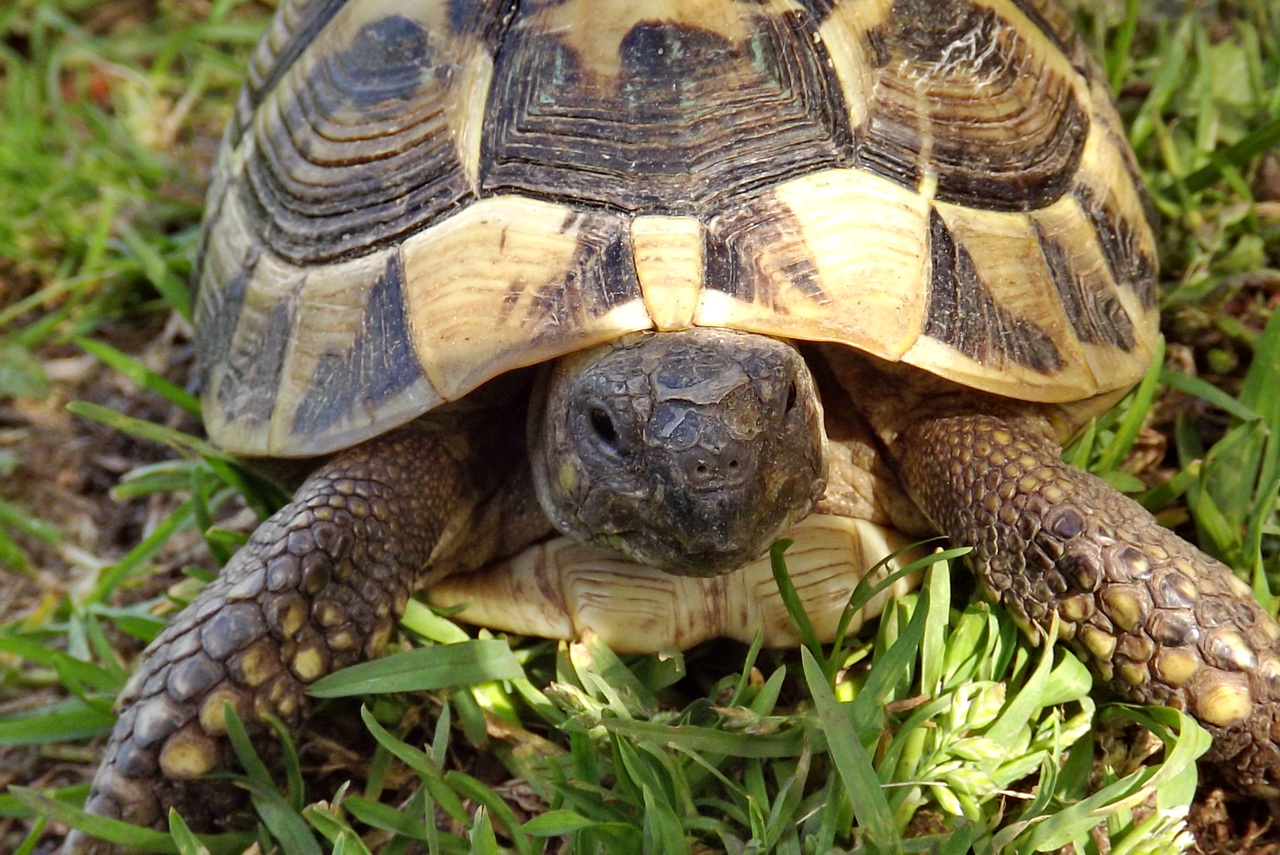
x: 688, y: 451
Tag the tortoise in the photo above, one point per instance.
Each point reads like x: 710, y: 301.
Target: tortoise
x: 580, y: 306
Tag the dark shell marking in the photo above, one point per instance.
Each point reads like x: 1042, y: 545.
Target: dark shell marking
x: 1095, y: 314
x: 957, y: 79
x: 1129, y: 255
x: 360, y: 133
x: 963, y: 312
x: 599, y: 277
x: 362, y: 153
x: 379, y: 361
x: 687, y: 120
x: 737, y: 256
x: 256, y: 357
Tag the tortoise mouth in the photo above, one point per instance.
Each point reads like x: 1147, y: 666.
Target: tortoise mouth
x: 689, y: 451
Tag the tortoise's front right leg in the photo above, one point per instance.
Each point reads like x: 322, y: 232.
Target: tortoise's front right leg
x: 1157, y: 619
x: 319, y: 586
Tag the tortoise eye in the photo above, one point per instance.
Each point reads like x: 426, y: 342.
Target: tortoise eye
x: 602, y: 424
x: 791, y: 398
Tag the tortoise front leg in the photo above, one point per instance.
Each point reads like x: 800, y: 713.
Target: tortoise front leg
x: 318, y: 586
x: 1158, y: 620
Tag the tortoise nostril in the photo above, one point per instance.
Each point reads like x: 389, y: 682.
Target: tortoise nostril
x: 717, y: 469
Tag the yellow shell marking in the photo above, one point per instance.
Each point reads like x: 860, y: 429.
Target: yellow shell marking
x: 487, y: 292
x: 864, y: 264
x: 668, y: 256
x: 840, y: 34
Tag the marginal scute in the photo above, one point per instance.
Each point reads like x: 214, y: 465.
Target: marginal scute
x: 240, y: 394
x: 1095, y: 313
x: 792, y: 263
x: 1125, y: 241
x: 510, y: 282
x: 964, y: 312
x: 228, y: 257
x: 352, y: 372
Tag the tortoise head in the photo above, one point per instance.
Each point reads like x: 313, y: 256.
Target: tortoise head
x: 688, y: 451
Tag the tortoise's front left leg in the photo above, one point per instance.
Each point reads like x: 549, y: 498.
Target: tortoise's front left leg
x: 1158, y: 620
x: 318, y: 586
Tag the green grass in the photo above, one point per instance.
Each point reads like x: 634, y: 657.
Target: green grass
x: 97, y: 199
x: 931, y: 732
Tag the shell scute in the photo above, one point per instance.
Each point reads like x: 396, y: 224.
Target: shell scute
x: 614, y: 104
x: 362, y: 342
x: 1096, y: 314
x: 253, y: 366
x: 964, y: 311
x: 834, y: 273
x: 510, y: 282
x: 956, y: 77
x: 363, y: 139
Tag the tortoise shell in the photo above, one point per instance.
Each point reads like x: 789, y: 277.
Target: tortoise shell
x: 415, y: 197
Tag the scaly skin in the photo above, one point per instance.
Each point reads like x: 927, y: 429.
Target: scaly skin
x: 319, y: 586
x: 1158, y: 621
